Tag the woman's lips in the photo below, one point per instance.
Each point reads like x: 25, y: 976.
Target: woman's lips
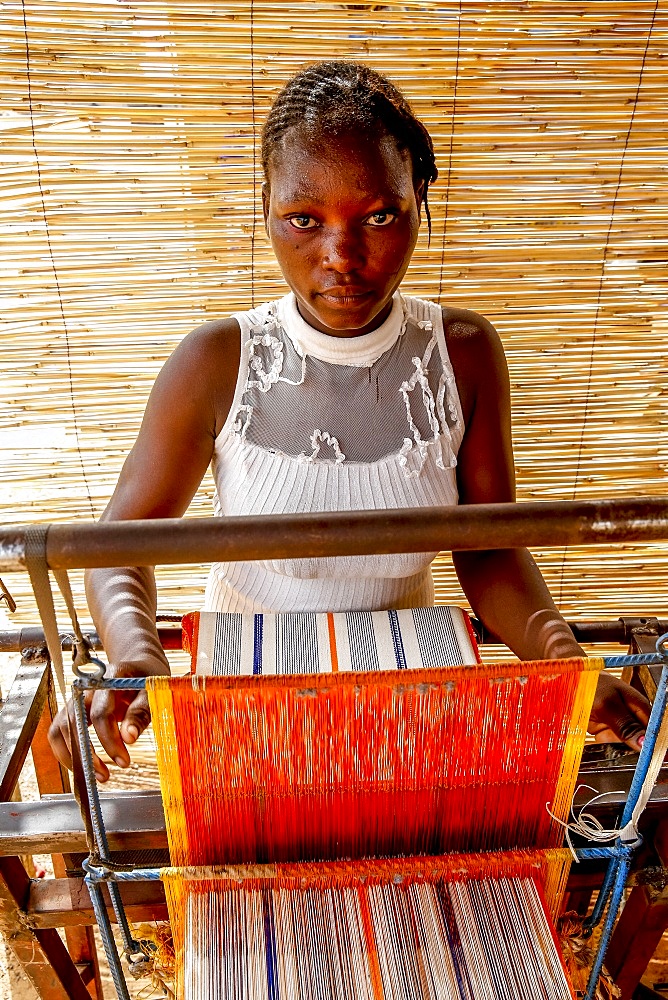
x: 344, y: 297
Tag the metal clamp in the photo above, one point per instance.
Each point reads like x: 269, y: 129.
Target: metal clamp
x: 89, y: 671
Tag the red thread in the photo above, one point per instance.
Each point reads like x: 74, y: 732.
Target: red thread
x: 336, y: 766
x: 332, y: 644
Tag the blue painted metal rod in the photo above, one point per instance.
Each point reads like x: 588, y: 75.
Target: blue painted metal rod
x: 651, y: 733
x: 139, y: 683
x: 639, y: 776
x: 112, y: 683
x: 97, y: 818
x: 621, y: 875
x: 86, y: 751
x: 107, y: 936
x: 618, y: 868
x: 98, y: 873
x: 632, y: 660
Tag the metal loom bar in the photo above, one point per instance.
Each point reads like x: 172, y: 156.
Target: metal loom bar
x: 470, y: 526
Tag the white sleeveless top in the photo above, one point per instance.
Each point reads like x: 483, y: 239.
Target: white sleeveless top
x: 322, y: 423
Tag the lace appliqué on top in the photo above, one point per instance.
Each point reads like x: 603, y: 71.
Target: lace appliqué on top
x: 262, y: 376
x: 434, y: 409
x: 342, y: 413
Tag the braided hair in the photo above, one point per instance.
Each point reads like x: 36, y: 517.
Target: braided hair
x: 341, y: 97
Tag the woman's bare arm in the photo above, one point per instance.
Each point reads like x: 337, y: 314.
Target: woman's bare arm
x: 186, y: 410
x: 504, y: 586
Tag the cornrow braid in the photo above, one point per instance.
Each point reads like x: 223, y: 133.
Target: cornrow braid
x: 345, y: 96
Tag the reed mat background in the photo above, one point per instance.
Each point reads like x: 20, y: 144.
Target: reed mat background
x: 131, y: 213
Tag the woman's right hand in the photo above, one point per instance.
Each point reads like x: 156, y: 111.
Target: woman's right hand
x: 118, y: 718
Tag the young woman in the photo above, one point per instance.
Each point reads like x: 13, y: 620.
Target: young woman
x: 343, y: 395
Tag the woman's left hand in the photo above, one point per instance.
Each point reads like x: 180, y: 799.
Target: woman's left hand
x: 619, y: 713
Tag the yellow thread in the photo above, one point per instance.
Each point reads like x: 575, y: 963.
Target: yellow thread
x: 574, y: 745
x: 159, y: 692
x: 175, y: 895
x: 556, y: 870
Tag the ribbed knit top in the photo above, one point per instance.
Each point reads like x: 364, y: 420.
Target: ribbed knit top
x: 321, y: 423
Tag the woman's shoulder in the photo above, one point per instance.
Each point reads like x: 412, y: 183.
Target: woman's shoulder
x: 458, y: 323
x: 202, y: 370
x: 465, y: 324
x: 223, y: 334
x: 211, y: 349
x: 476, y: 355
x: 213, y: 335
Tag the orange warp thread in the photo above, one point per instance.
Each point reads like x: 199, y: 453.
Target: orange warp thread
x: 302, y: 768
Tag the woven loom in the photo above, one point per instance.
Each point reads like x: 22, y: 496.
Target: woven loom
x: 269, y: 775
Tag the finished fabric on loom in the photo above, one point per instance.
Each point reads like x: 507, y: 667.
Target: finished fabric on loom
x: 228, y: 643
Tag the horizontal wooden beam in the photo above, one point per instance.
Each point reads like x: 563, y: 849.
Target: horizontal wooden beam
x: 65, y: 902
x: 133, y: 821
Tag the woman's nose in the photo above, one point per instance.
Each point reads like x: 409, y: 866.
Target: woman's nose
x: 343, y: 250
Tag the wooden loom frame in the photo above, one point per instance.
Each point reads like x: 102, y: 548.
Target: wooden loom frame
x: 470, y: 527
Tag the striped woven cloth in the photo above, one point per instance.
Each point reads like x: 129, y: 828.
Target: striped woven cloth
x: 226, y: 643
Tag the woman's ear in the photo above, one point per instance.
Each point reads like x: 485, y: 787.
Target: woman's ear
x: 266, y: 194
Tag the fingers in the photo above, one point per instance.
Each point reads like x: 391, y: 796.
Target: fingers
x: 628, y: 729
x: 619, y: 713
x: 59, y: 738
x: 137, y: 718
x: 119, y: 718
x: 637, y: 703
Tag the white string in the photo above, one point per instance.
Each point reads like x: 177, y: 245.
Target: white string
x: 630, y: 831
x: 592, y: 829
x: 584, y: 824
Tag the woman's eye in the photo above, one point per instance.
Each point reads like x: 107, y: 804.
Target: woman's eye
x: 302, y: 222
x: 381, y: 218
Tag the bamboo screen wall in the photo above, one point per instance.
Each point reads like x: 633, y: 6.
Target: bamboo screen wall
x: 131, y: 213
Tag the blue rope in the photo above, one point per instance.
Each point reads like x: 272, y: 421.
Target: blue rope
x: 595, y: 853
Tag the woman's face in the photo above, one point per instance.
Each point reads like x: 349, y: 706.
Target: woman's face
x: 343, y: 216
